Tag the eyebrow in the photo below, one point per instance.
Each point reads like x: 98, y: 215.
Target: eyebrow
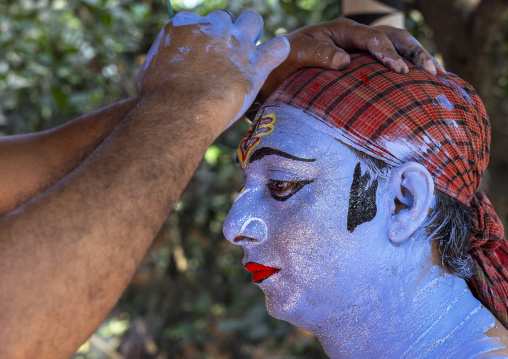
x: 268, y: 151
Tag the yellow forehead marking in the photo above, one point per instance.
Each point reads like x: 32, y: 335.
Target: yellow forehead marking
x: 261, y: 126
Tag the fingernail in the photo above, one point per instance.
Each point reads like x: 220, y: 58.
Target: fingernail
x: 402, y: 66
x: 339, y: 61
x: 429, y: 67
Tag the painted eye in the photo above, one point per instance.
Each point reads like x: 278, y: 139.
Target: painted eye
x: 280, y: 187
x: 283, y: 190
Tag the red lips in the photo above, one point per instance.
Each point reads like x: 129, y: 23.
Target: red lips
x: 259, y: 271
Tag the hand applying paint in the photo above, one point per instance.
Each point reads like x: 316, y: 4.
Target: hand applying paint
x: 211, y: 60
x: 326, y: 45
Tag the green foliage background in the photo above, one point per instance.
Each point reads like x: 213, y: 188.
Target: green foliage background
x: 191, y: 297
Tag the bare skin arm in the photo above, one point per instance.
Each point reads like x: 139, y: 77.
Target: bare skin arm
x: 32, y: 163
x: 67, y: 254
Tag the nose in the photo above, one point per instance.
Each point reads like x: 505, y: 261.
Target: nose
x: 244, y: 224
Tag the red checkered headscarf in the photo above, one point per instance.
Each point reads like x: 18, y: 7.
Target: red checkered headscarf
x: 439, y: 122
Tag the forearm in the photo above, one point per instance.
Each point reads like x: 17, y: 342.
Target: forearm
x: 31, y: 163
x: 67, y: 254
x: 93, y: 228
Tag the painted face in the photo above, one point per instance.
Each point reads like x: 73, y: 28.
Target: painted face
x: 300, y: 186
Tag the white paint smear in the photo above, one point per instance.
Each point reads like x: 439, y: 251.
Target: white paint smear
x: 261, y: 236
x: 444, y: 102
x: 241, y: 194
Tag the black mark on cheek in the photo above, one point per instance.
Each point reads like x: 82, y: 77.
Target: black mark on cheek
x: 362, y: 200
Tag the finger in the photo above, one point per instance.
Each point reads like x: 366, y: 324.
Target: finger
x: 252, y: 23
x: 233, y: 18
x: 383, y: 50
x: 439, y: 67
x: 272, y: 53
x: 221, y: 15
x: 410, y: 48
x: 185, y: 18
x: 310, y: 52
x: 347, y: 33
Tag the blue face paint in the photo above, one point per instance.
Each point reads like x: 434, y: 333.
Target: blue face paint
x: 292, y: 215
x: 360, y: 294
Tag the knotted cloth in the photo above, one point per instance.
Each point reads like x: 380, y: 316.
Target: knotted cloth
x: 439, y: 122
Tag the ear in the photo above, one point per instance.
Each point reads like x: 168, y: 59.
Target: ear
x: 411, y: 191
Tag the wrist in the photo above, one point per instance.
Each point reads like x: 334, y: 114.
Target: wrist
x: 194, y: 101
x: 194, y: 109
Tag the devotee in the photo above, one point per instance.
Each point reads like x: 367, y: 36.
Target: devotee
x: 360, y: 216
x: 81, y: 203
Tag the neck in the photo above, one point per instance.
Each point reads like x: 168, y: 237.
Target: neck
x: 438, y: 317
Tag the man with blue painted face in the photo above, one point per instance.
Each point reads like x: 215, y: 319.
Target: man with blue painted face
x: 360, y: 216
x: 80, y: 204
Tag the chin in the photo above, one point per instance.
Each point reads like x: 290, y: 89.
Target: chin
x: 288, y: 310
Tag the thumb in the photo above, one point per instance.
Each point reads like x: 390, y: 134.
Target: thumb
x: 310, y: 52
x: 272, y: 53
